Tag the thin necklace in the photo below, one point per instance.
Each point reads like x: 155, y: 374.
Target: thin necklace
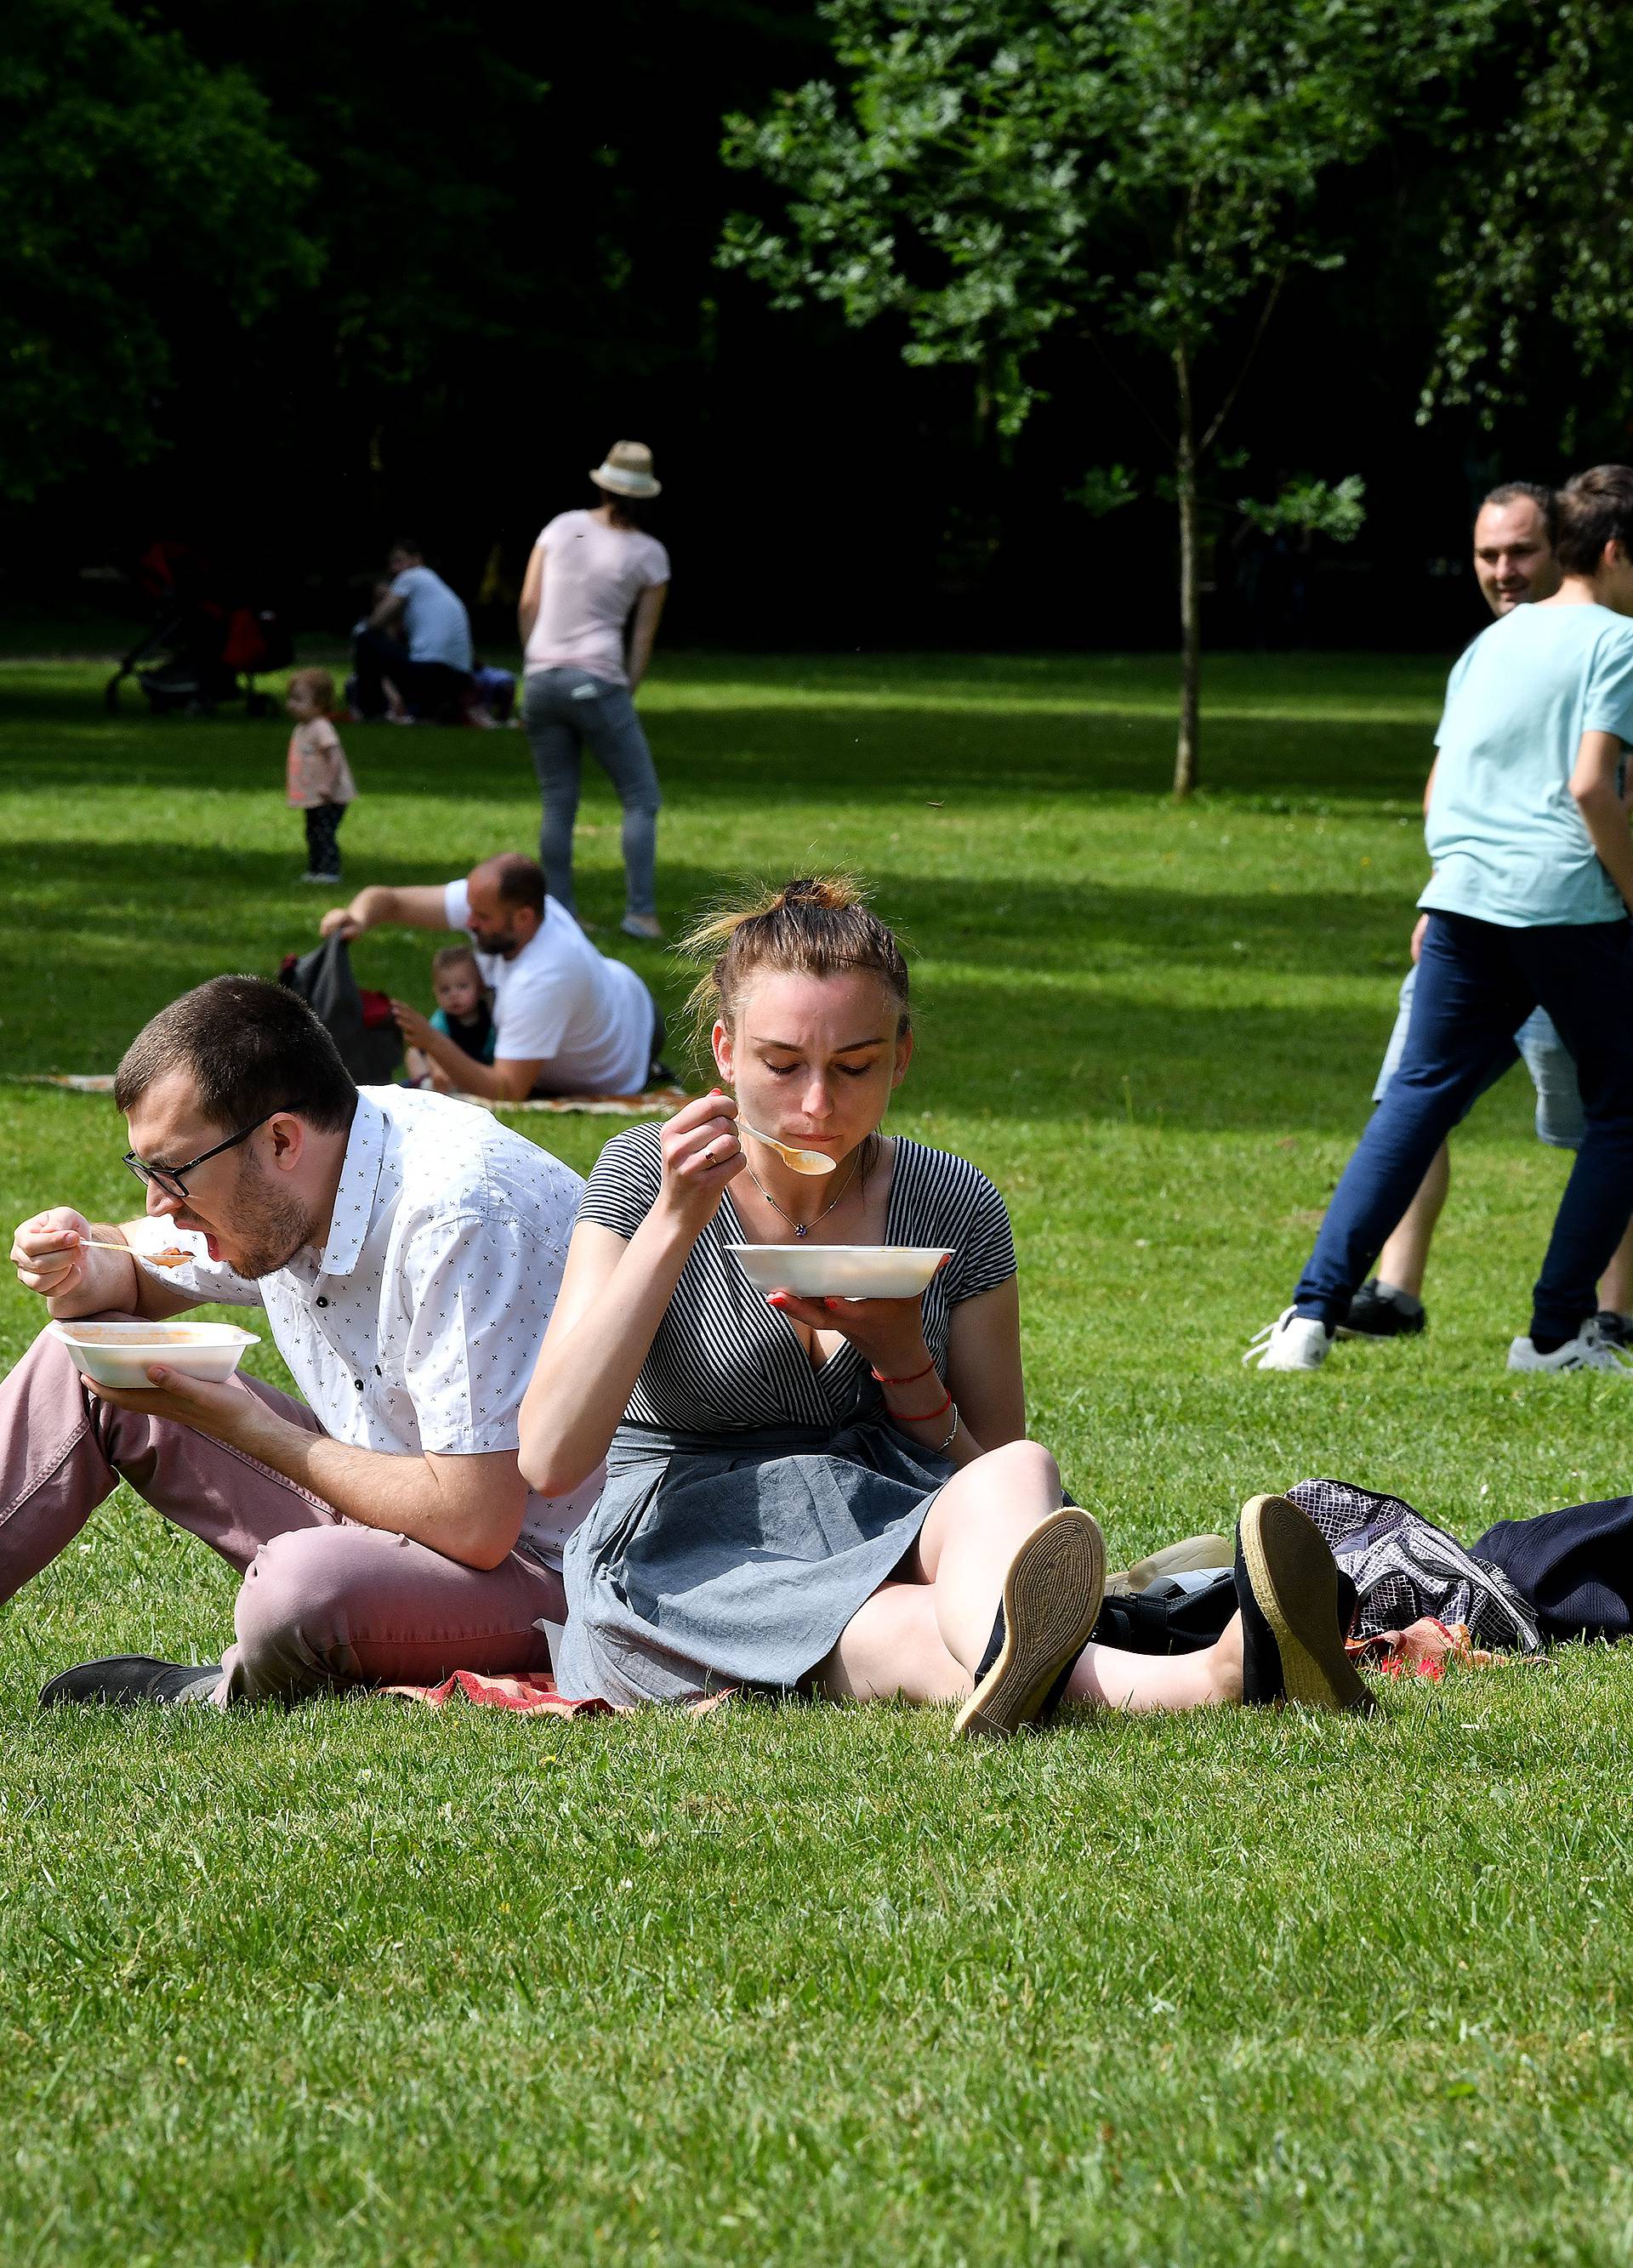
x: 804, y: 1228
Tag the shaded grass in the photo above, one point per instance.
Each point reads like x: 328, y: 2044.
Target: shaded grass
x: 358, y: 1986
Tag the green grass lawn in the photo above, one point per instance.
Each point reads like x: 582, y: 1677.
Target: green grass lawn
x: 359, y: 1986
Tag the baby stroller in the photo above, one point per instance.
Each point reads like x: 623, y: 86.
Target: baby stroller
x: 207, y: 646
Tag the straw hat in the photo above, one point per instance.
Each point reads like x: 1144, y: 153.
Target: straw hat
x: 628, y: 471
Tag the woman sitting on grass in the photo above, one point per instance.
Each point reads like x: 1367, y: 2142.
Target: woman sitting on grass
x: 838, y: 1495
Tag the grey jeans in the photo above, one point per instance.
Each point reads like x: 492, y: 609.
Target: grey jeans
x: 564, y: 712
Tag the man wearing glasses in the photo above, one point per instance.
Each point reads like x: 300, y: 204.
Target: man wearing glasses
x: 407, y: 1250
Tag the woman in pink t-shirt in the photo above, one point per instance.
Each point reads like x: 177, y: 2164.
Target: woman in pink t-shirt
x: 590, y: 606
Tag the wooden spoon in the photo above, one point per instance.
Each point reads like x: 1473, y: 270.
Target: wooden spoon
x: 797, y: 1161
x: 172, y: 1257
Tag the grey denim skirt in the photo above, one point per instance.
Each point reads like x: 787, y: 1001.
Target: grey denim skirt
x: 735, y: 1559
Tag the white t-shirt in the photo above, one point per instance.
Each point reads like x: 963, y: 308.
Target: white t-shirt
x: 592, y: 576
x: 588, y: 1019
x: 434, y: 621
x: 417, y: 1327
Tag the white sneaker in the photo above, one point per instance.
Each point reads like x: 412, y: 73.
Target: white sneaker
x: 1293, y: 1341
x: 1589, y: 1350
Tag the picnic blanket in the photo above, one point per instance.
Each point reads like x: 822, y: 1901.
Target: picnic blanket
x: 532, y: 1693
x: 665, y: 1099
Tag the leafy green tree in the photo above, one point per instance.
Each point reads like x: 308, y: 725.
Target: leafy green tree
x: 134, y: 181
x: 1139, y: 176
x: 1536, y: 288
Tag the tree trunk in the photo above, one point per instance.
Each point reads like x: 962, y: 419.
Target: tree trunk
x: 1186, y: 755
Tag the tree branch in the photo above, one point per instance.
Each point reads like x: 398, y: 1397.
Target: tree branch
x: 1170, y: 445
x: 1260, y: 328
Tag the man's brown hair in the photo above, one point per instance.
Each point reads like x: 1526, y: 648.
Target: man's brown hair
x: 250, y: 1047
x: 1595, y: 508
x: 519, y: 881
x: 1545, y: 500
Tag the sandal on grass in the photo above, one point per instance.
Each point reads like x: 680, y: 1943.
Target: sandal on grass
x: 1052, y: 1596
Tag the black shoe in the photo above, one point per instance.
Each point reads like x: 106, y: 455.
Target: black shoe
x: 1288, y: 1585
x: 124, y: 1680
x: 1614, y: 1330
x: 1373, y: 1314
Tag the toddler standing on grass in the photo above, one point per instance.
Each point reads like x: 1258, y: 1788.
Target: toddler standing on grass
x: 319, y: 781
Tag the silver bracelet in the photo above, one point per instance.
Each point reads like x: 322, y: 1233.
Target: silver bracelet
x: 945, y: 1444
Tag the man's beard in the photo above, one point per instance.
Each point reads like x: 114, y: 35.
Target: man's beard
x: 269, y: 1224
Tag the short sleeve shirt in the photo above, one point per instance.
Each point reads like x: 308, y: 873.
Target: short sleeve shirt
x: 722, y: 1361
x: 317, y: 771
x: 593, y: 577
x: 418, y: 1326
x: 1508, y: 842
x: 588, y: 1019
x: 434, y: 621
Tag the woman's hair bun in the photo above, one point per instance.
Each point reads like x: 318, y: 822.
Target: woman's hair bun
x: 830, y: 893
x: 818, y: 925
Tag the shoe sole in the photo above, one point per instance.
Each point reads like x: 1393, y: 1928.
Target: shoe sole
x: 1052, y: 1598
x: 1295, y: 1584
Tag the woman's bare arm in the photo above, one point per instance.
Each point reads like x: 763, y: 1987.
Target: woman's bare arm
x: 532, y: 595
x: 613, y: 1296
x: 648, y: 615
x: 984, y: 1365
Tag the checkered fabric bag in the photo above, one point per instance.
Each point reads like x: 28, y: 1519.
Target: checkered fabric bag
x: 1404, y: 1569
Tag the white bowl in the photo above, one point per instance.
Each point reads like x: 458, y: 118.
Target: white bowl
x: 119, y: 1354
x: 841, y: 1271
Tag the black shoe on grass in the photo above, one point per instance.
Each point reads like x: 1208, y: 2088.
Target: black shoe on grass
x: 122, y: 1680
x: 1288, y: 1586
x: 1375, y: 1314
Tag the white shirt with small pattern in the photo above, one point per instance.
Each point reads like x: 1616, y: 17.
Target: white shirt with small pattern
x: 417, y: 1327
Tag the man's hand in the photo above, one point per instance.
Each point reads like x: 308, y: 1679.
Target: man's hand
x: 340, y: 921
x: 224, y: 1410
x: 47, y: 1252
x: 416, y: 1029
x: 1419, y: 928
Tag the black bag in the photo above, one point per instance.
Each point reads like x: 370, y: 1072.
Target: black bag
x: 1176, y: 1614
x: 360, y: 1023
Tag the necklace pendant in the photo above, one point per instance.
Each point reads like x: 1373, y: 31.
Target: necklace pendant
x: 802, y: 1228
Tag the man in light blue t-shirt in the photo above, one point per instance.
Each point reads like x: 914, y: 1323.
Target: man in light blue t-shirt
x: 1527, y: 908
x: 417, y: 640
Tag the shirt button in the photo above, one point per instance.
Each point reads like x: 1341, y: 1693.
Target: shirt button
x: 321, y: 1301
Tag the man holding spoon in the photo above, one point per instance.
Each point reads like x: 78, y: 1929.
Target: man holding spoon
x: 406, y: 1250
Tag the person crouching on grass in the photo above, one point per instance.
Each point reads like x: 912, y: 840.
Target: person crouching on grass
x: 834, y: 1496
x: 319, y: 779
x: 464, y: 1015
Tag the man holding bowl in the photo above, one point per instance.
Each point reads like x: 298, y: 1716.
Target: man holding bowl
x: 406, y: 1250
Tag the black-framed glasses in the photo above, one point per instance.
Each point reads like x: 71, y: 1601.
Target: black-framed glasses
x: 168, y: 1178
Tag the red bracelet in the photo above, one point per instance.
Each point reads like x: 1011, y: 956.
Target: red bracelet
x: 910, y: 1380
x: 921, y: 1416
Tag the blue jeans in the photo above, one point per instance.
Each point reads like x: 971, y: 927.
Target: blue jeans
x: 1560, y: 1123
x: 1477, y: 983
x: 566, y: 711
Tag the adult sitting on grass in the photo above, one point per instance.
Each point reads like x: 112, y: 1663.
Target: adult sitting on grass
x: 407, y: 1251
x: 828, y: 1495
x: 566, y: 1020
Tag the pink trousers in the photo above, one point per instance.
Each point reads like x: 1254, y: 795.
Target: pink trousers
x: 323, y: 1604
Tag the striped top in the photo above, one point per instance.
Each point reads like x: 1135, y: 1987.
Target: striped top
x: 722, y: 1361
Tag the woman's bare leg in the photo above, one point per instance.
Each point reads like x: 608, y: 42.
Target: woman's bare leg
x: 975, y: 1527
x: 1107, y: 1678
x: 891, y: 1649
